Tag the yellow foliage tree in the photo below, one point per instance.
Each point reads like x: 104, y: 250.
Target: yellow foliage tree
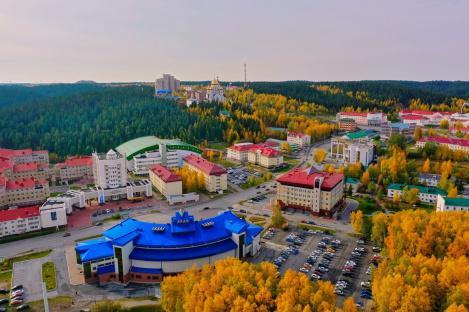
x: 356, y: 219
x: 426, y: 166
x: 319, y: 155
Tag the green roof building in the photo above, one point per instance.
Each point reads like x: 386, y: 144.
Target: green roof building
x: 427, y: 194
x: 452, y: 204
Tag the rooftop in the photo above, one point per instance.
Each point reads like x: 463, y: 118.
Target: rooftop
x: 24, y: 183
x: 422, y: 189
x: 244, y: 147
x: 151, y: 143
x: 422, y: 112
x: 165, y: 174
x: 360, y: 134
x: 445, y: 140
x: 296, y: 134
x: 19, y: 213
x: 77, y: 161
x: 204, y: 165
x: 306, y: 177
x: 457, y: 201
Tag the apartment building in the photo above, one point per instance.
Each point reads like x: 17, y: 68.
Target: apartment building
x: 25, y: 156
x: 347, y: 124
x: 11, y: 170
x: 351, y: 151
x: 318, y: 192
x: 109, y: 170
x: 453, y: 144
x: 215, y: 176
x: 427, y: 194
x: 299, y: 139
x: 364, y: 119
x: 429, y: 179
x: 74, y: 169
x: 167, y: 83
x: 165, y: 181
x: 23, y: 192
x: 239, y: 152
x: 19, y: 221
x: 265, y: 157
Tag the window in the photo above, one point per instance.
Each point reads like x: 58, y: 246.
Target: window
x: 53, y: 215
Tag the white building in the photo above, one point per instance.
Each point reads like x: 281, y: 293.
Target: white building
x: 453, y: 144
x: 429, y: 179
x: 109, y: 170
x: 265, y: 157
x: 452, y: 204
x: 427, y: 194
x: 350, y: 151
x: 215, y: 92
x: 364, y: 119
x: 19, y: 221
x: 300, y: 139
x: 53, y: 213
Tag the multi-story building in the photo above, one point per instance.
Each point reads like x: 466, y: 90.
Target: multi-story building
x: 144, y: 152
x: 265, y: 157
x: 109, y: 170
x: 74, y: 169
x: 166, y: 84
x: 10, y: 170
x: 320, y: 193
x: 455, y: 131
x: 364, y: 119
x: 452, y: 204
x: 165, y: 181
x: 423, y: 117
x: 427, y: 194
x: 143, y: 252
x: 239, y: 152
x: 215, y: 176
x: 453, y: 144
x: 429, y: 179
x: 19, y: 221
x: 23, y: 192
x: 351, y: 151
x: 347, y: 124
x: 53, y: 213
x: 389, y: 129
x: 25, y: 156
x: 300, y: 139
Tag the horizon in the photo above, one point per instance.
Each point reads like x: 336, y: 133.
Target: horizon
x: 122, y: 41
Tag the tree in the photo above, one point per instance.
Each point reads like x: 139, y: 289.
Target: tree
x: 410, y: 195
x: 395, y: 198
x: 397, y: 140
x: 365, y: 178
x: 277, y: 217
x: 429, y: 149
x: 453, y: 192
x: 284, y: 146
x: 444, y: 123
x: 356, y: 219
x: 379, y: 228
x: 426, y: 166
x: 417, y: 133
x: 319, y: 155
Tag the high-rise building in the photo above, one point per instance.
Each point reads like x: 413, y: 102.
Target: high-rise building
x: 109, y: 170
x: 166, y: 84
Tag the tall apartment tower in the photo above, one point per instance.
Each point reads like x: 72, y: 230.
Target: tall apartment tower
x: 109, y: 170
x: 166, y: 83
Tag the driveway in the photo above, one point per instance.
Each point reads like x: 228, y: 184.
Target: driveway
x: 352, y: 205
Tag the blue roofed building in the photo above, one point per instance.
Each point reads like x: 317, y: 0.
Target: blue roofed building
x: 143, y: 252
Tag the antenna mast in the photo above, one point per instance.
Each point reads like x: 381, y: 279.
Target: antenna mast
x: 245, y: 72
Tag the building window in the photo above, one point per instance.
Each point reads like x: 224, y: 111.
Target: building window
x: 53, y: 216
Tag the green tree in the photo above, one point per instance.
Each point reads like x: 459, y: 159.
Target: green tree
x: 277, y: 217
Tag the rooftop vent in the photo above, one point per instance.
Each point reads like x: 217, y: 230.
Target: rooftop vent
x: 208, y: 224
x: 158, y: 229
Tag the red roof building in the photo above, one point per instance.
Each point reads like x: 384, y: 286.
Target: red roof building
x: 306, y: 177
x: 165, y: 174
x: 204, y: 165
x: 19, y: 213
x: 453, y: 143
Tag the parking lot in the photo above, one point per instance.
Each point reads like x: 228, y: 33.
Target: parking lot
x: 239, y: 175
x: 340, y: 258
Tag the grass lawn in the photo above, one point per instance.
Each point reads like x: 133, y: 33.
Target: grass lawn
x: 314, y: 227
x: 16, y: 237
x: 55, y: 194
x: 5, y: 279
x: 48, y: 275
x: 255, y: 219
x: 367, y: 205
x: 88, y: 237
x: 59, y: 303
x: 218, y: 145
x: 224, y: 162
x: 7, y: 264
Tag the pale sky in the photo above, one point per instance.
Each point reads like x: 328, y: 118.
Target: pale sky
x: 124, y: 40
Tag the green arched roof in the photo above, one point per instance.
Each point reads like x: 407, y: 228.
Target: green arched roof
x: 151, y: 143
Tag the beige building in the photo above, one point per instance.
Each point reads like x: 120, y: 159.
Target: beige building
x: 215, y: 176
x: 109, y: 170
x: 25, y: 156
x: 166, y: 83
x: 74, y: 168
x: 265, y: 157
x: 298, y: 139
x: 320, y: 193
x: 23, y: 192
x: 10, y: 170
x: 19, y: 221
x: 165, y: 181
x: 351, y: 151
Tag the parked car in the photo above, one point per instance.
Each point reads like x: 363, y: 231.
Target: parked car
x: 242, y: 211
x: 23, y: 307
x: 16, y: 301
x: 16, y: 287
x: 66, y: 234
x: 4, y: 301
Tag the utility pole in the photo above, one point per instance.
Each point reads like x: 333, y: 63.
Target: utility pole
x: 245, y: 75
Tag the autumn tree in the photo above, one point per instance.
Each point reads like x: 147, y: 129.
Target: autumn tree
x: 319, y: 155
x: 277, y: 217
x: 444, y: 123
x: 426, y: 166
x: 417, y: 133
x: 379, y: 228
x: 356, y: 219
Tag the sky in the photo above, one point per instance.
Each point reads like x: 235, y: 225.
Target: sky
x: 318, y: 40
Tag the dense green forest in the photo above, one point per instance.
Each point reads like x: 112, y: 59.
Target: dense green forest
x: 99, y: 120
